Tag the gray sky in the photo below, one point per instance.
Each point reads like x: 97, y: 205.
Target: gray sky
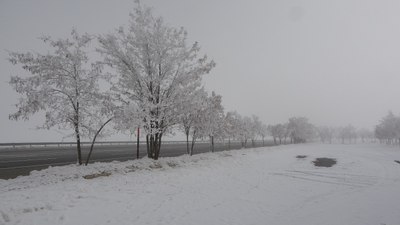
x: 335, y: 62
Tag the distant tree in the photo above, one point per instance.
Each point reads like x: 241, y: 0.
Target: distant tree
x: 281, y: 132
x: 214, y: 119
x: 263, y: 132
x: 388, y: 129
x: 365, y: 134
x: 233, y: 126
x: 275, y: 131
x: 192, y: 117
x: 246, y: 130
x: 348, y: 132
x: 155, y: 70
x: 254, y: 129
x: 64, y: 85
x: 286, y: 132
x: 301, y: 130
x: 326, y: 134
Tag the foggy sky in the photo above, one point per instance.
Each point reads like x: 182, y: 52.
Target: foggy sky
x: 335, y: 62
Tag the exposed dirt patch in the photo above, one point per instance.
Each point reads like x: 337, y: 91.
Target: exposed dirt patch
x: 102, y: 174
x: 301, y: 156
x: 156, y: 165
x: 131, y: 168
x: 226, y: 154
x: 172, y: 164
x: 397, y: 161
x: 324, y: 162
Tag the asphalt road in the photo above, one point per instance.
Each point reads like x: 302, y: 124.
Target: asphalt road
x: 21, y: 161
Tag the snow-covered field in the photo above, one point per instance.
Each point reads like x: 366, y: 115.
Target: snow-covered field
x: 252, y: 186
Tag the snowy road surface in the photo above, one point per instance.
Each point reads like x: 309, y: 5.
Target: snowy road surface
x: 252, y: 186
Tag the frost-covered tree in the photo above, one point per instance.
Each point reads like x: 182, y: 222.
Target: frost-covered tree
x: 263, y: 132
x: 365, y: 134
x: 278, y: 131
x: 233, y: 126
x: 64, y: 85
x: 192, y: 117
x: 348, y: 132
x: 273, y: 132
x: 300, y: 129
x: 388, y: 129
x: 326, y: 134
x: 245, y: 130
x: 155, y: 69
x: 254, y: 129
x: 214, y: 118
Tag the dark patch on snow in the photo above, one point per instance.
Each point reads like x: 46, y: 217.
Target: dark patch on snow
x: 301, y: 156
x: 397, y: 161
x: 92, y: 176
x: 156, y: 165
x: 172, y: 164
x: 324, y: 162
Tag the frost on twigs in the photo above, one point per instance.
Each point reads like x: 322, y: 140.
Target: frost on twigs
x: 156, y: 70
x: 64, y: 84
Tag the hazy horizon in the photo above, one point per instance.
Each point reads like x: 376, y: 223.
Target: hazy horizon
x: 334, y: 62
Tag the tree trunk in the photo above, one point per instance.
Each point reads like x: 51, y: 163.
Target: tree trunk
x: 93, y: 141
x: 193, y: 142
x: 148, y: 146
x: 212, y: 143
x: 78, y: 144
x: 229, y: 144
x: 153, y: 145
x: 187, y: 143
x: 263, y: 142
x: 158, y: 145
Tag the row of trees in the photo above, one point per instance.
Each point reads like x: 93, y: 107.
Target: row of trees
x: 148, y: 73
x: 299, y: 130
x: 346, y: 134
x: 147, y: 77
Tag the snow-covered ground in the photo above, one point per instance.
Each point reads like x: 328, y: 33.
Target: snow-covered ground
x: 252, y: 186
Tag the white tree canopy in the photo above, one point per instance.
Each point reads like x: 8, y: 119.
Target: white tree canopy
x: 64, y: 84
x: 156, y: 69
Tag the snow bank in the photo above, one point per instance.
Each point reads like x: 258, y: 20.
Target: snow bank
x: 252, y: 186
